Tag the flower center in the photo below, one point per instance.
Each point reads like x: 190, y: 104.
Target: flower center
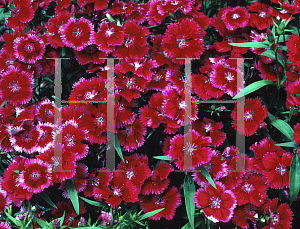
x: 229, y: 76
x: 248, y: 115
x: 27, y: 137
x: 158, y: 200
x: 247, y: 187
x: 182, y: 105
x: 29, y: 47
x: 128, y: 42
x: 158, y: 77
x: 121, y: 107
x: 235, y: 16
x: 136, y: 65
x: 215, y: 202
x: 35, y: 175
x: 100, y: 120
x: 281, y: 169
x: 182, y: 43
x: 174, y: 3
x: 275, y: 219
x: 262, y: 14
x: 208, y: 127
x: 77, y: 32
x: 283, y: 11
x: 56, y: 160
x: 129, y: 82
x: 90, y: 95
x: 48, y: 112
x: 190, y: 148
x: 70, y: 140
x: 129, y: 174
x: 116, y: 191
x: 128, y: 130
x: 109, y: 33
x: 14, y: 86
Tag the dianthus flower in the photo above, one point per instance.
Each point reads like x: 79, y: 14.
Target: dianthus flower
x: 234, y: 18
x: 293, y: 45
x: 4, y: 200
x: 135, y: 45
x: 77, y: 34
x: 197, y: 150
x: 293, y: 90
x: 262, y: 16
x: 26, y: 138
x: 109, y: 35
x: 136, y: 169
x: 286, y: 9
x: 171, y: 6
x: 29, y: 48
x: 133, y: 135
x: 121, y: 189
x: 226, y: 78
x: 217, y: 204
x: 281, y: 217
x: 45, y: 140
x: 252, y: 190
x: 245, y: 214
x: 169, y: 200
x: 158, y: 181
x: 98, y: 5
x: 36, y: 176
x: 90, y: 54
x: 16, y: 87
x: 277, y: 169
x: 183, y: 40
x: 97, y: 182
x: 254, y: 115
x: 20, y: 15
x: 106, y: 217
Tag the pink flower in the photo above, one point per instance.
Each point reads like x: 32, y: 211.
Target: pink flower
x: 106, y: 217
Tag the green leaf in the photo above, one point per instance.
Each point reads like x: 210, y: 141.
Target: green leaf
x: 164, y: 158
x: 44, y: 195
x: 188, y: 225
x: 151, y: 132
x: 206, y: 174
x: 73, y: 194
x: 292, y: 109
x: 42, y: 223
x: 253, y: 87
x: 287, y: 144
x: 284, y: 128
x: 250, y: 44
x: 16, y: 171
x: 189, y: 192
x: 5, y: 101
x: 149, y: 214
x: 118, y: 147
x: 271, y: 54
x: 91, y: 202
x: 11, y: 218
x: 294, y: 177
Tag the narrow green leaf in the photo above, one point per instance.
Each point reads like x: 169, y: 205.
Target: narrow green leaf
x: 250, y: 44
x: 73, y: 194
x: 44, y: 195
x: 287, y: 144
x: 5, y: 101
x: 118, y: 147
x: 253, y: 87
x: 292, y: 109
x: 151, y: 132
x: 42, y: 223
x: 188, y: 225
x: 284, y: 128
x: 164, y: 158
x: 189, y: 192
x: 149, y: 214
x: 206, y: 174
x: 271, y: 54
x: 91, y: 202
x: 16, y: 171
x: 11, y: 218
x: 294, y: 177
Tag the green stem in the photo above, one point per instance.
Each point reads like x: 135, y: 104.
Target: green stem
x: 277, y: 69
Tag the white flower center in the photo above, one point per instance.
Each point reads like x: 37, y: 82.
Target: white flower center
x: 90, y: 95
x: 262, y: 14
x: 208, y: 127
x: 247, y: 187
x: 215, y: 202
x: 229, y: 76
x: 78, y: 32
x: 281, y: 169
x: 109, y: 33
x: 283, y: 11
x: 116, y: 191
x: 189, y: 148
x: 235, y: 16
x: 29, y: 47
x: 248, y: 115
x: 129, y: 174
x: 182, y: 105
x: 35, y: 175
x: 14, y: 86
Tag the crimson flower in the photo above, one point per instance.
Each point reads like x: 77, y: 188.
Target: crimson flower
x: 293, y: 45
x: 277, y: 169
x: 45, y: 140
x: 21, y: 14
x: 169, y: 200
x: 245, y: 214
x: 252, y: 190
x: 77, y: 34
x: 197, y: 149
x: 170, y: 6
x: 217, y: 204
x: 29, y: 49
x: 158, y: 181
x: 135, y: 37
x: 234, y: 18
x: 254, y: 115
x: 36, y: 176
x: 281, y: 217
x: 183, y: 40
x: 90, y: 54
x: 109, y: 35
x: 16, y: 87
